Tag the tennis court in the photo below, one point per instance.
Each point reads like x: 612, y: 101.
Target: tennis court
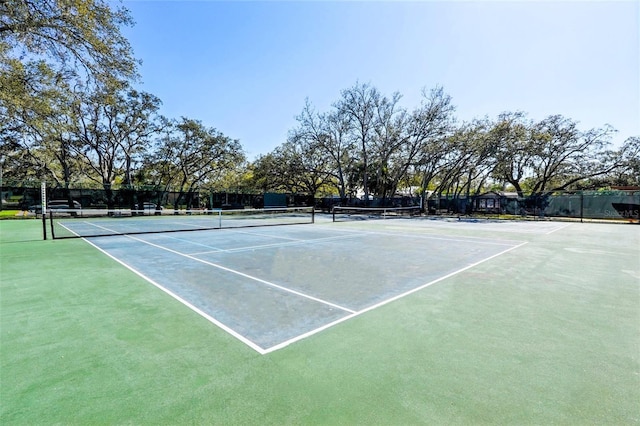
x: 272, y: 286
x: 406, y: 320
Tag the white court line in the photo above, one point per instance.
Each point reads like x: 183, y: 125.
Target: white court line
x: 517, y: 227
x: 195, y: 221
x: 214, y: 249
x: 127, y: 225
x: 242, y: 274
x: 474, y: 240
x: 261, y: 235
x: 229, y: 330
x: 249, y: 248
x: 224, y: 327
x: 384, y: 302
x: 281, y: 345
x: 557, y: 229
x: 264, y: 246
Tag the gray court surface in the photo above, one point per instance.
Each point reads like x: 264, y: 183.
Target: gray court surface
x: 272, y: 286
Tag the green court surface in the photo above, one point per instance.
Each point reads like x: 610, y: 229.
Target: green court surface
x: 544, y: 331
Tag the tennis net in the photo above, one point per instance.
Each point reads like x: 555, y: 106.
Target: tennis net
x: 341, y: 213
x: 81, y: 223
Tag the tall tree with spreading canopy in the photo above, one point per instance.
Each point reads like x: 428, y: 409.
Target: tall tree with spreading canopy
x: 112, y: 131
x: 511, y: 134
x: 323, y: 138
x: 430, y: 125
x: 628, y: 159
x: 51, y: 46
x: 34, y: 123
x: 190, y: 154
x: 71, y: 36
x: 389, y: 139
x: 358, y: 105
x: 565, y: 155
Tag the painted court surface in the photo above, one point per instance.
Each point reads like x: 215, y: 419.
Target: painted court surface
x: 272, y: 286
x: 397, y: 321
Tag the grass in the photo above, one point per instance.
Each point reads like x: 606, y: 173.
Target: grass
x: 540, y: 335
x: 11, y: 214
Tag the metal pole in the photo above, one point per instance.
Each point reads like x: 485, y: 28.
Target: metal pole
x: 43, y: 205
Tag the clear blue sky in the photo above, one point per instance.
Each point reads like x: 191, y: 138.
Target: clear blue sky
x: 246, y: 67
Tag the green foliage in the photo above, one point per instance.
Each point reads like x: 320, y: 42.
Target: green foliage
x: 102, y: 130
x: 72, y: 36
x: 68, y: 113
x: 367, y: 143
x: 189, y: 155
